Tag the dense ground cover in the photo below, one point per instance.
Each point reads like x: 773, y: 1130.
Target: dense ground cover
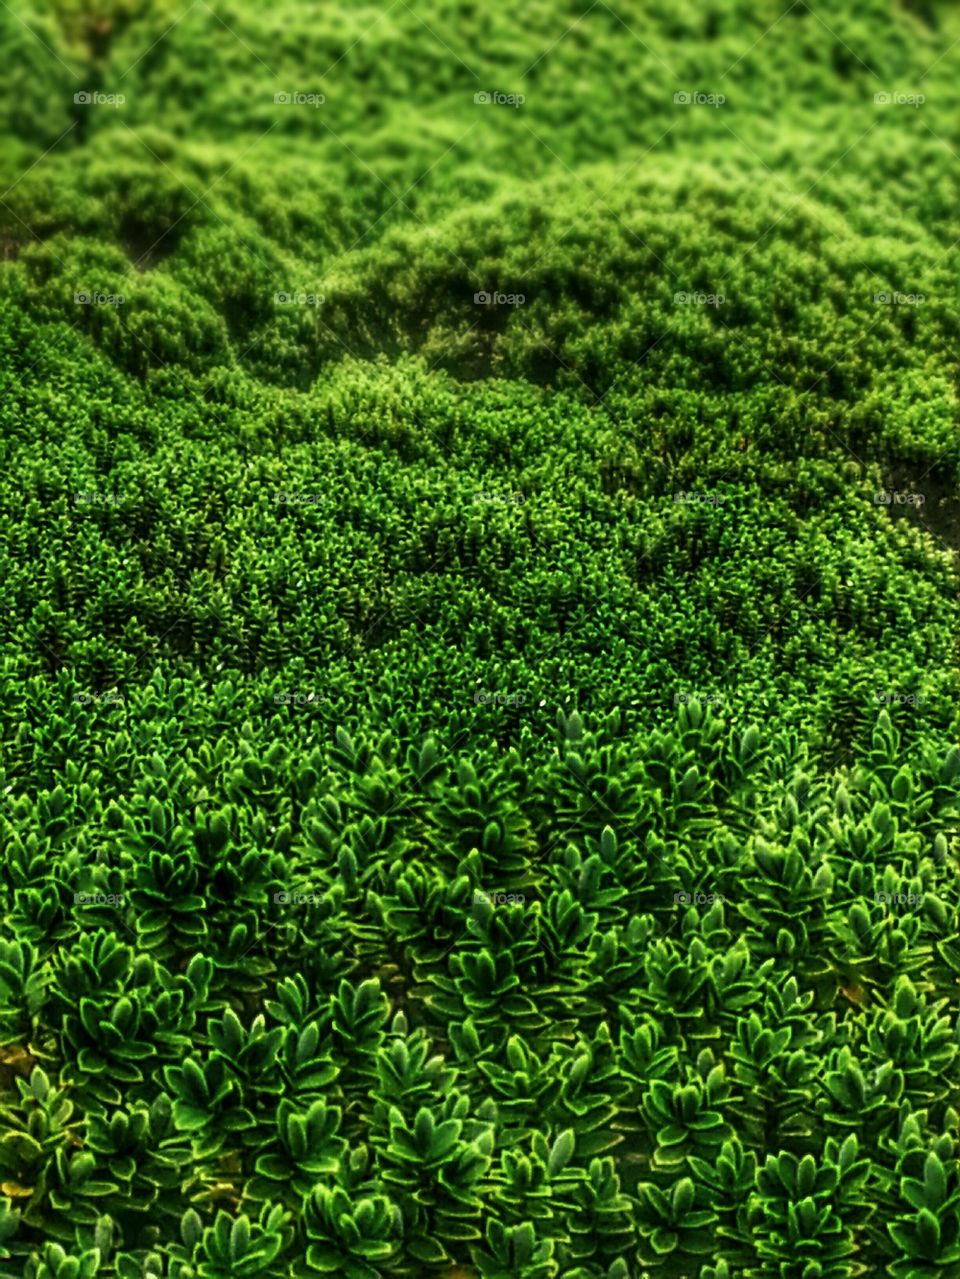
x: 479, y: 791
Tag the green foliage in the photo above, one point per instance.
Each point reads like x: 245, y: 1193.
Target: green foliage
x: 479, y: 783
